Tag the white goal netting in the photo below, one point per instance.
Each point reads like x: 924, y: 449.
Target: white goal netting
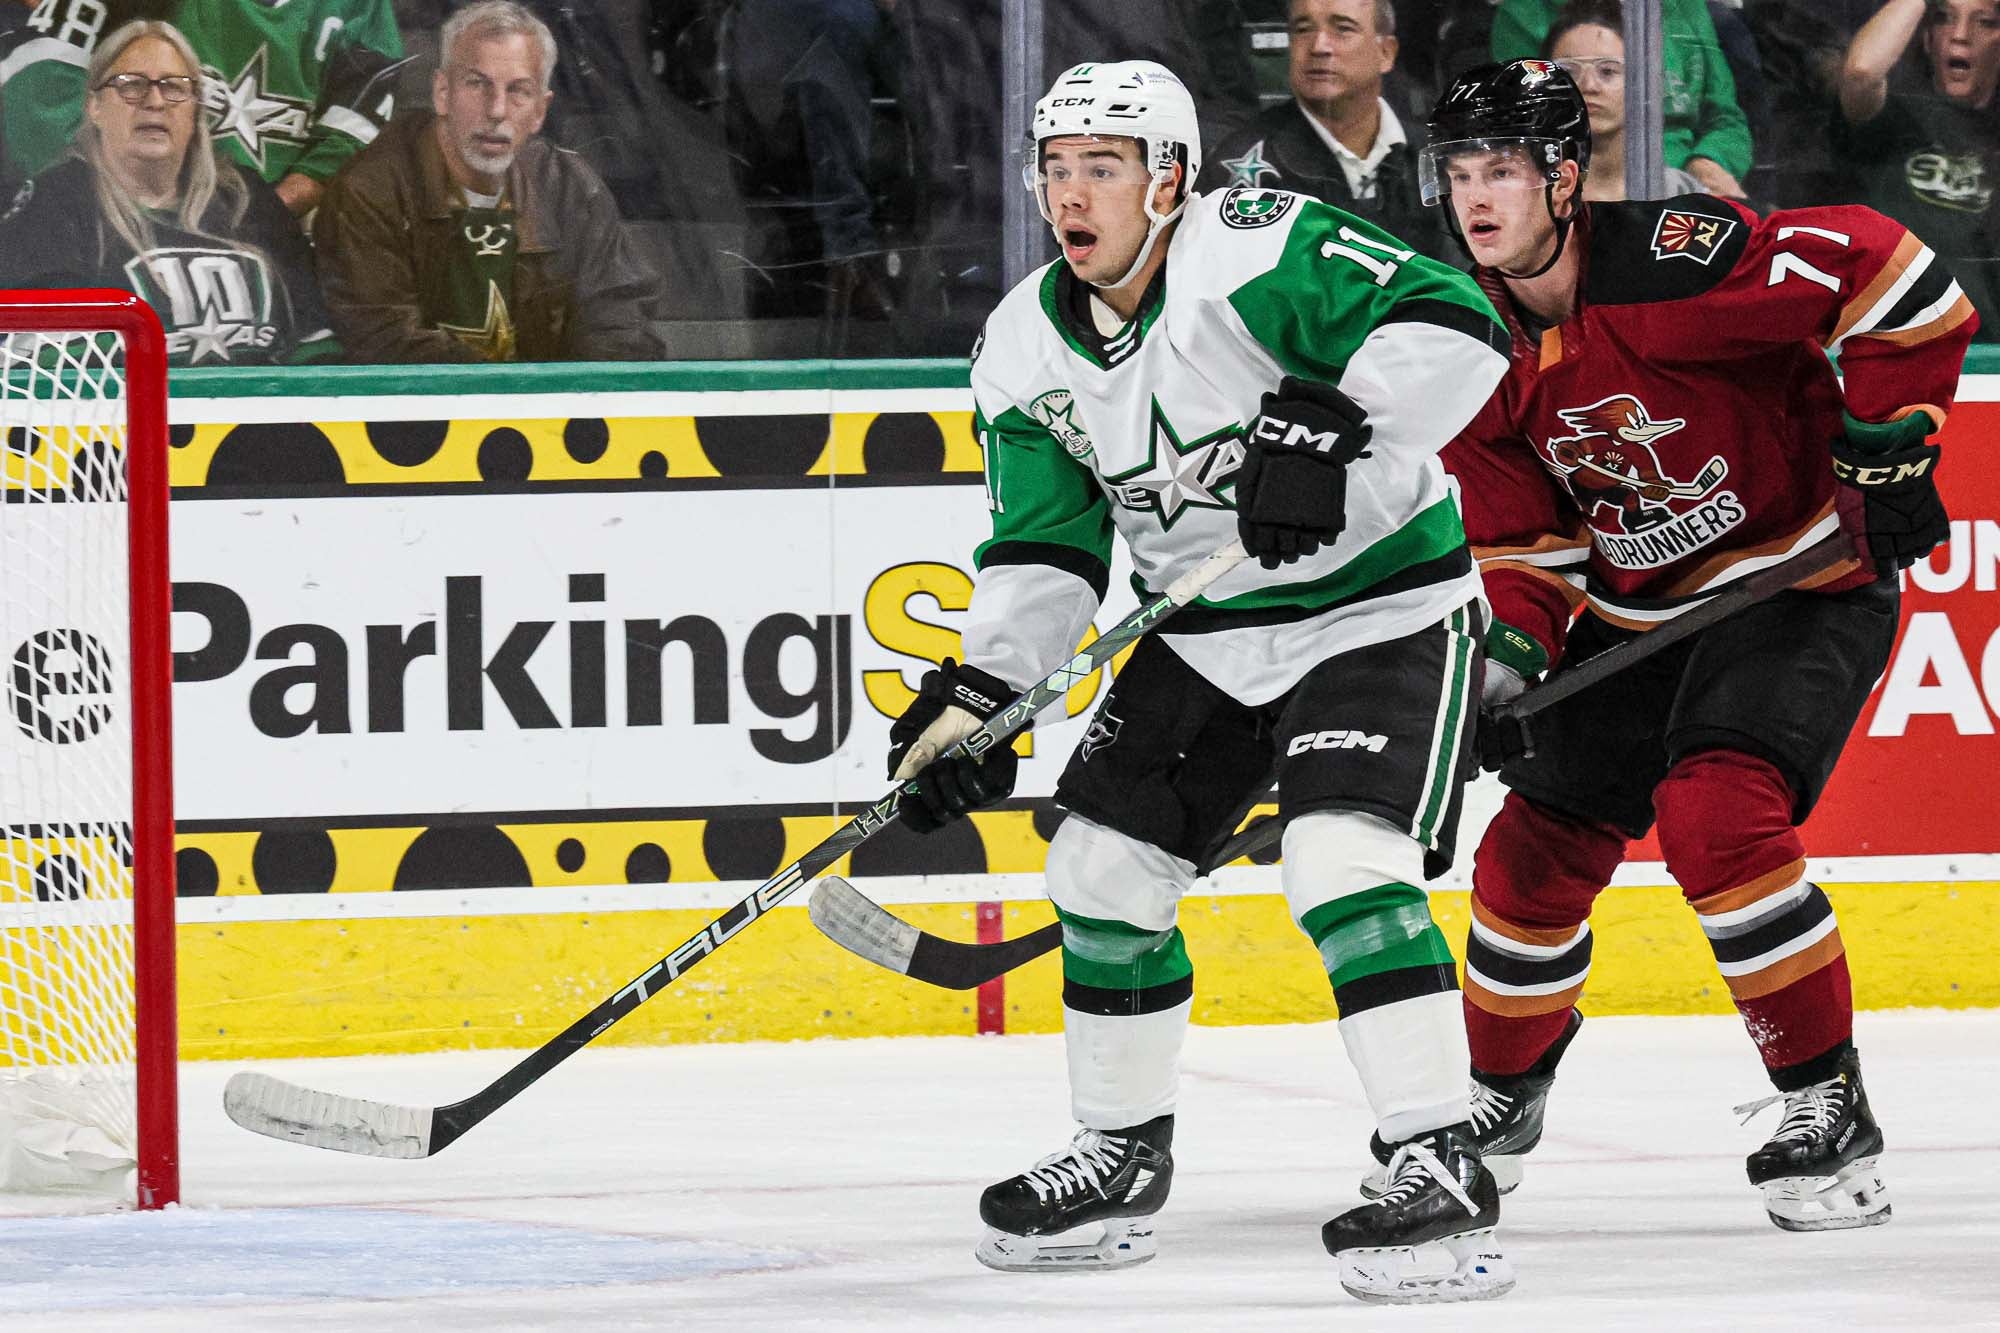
x: 67, y: 1014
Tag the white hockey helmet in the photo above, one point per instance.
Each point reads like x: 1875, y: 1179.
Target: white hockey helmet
x: 1136, y: 99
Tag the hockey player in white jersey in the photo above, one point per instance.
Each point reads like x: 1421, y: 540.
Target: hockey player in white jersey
x: 1195, y: 368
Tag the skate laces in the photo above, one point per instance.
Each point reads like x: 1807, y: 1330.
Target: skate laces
x: 1090, y: 1157
x: 1809, y: 1111
x: 1489, y: 1107
x: 1412, y: 1162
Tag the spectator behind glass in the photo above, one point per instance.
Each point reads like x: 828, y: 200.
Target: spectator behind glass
x: 461, y: 235
x: 1338, y: 140
x: 144, y: 203
x: 1589, y: 41
x: 804, y: 73
x: 1926, y: 157
x: 292, y: 89
x: 45, y: 49
x: 1706, y: 133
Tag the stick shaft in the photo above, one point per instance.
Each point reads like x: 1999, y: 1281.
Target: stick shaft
x: 455, y: 1119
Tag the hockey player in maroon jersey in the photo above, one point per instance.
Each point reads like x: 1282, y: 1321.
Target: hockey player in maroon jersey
x: 1670, y: 423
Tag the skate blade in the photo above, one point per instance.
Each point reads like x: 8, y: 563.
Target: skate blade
x: 1123, y: 1242
x: 1465, y: 1267
x: 1855, y: 1196
x: 1506, y: 1174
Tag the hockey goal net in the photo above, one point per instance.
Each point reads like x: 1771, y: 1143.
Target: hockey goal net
x: 87, y: 1030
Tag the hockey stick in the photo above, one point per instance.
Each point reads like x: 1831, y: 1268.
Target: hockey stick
x: 281, y: 1110
x: 863, y: 927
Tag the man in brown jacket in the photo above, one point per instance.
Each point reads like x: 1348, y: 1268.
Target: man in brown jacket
x: 464, y: 236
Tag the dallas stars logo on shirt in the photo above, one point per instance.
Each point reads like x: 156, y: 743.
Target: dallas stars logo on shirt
x: 1251, y: 168
x: 1180, y: 476
x: 240, y: 109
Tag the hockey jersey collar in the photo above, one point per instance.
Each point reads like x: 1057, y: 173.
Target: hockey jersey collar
x: 1066, y: 302
x: 1545, y: 346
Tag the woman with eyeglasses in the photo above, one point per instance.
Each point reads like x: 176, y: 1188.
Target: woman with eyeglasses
x: 1706, y: 132
x: 142, y: 202
x: 1589, y: 41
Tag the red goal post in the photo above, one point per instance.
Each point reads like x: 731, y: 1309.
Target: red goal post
x: 88, y: 1035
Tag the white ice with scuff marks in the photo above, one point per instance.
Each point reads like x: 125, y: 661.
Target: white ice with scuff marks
x: 832, y: 1185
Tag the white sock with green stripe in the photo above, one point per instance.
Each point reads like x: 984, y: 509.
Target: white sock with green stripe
x: 1127, y: 982
x: 1351, y: 882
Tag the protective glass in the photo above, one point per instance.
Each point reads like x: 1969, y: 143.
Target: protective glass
x: 132, y: 88
x: 1495, y: 164
x: 1598, y: 71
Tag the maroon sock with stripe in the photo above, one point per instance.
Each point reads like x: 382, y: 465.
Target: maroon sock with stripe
x: 1726, y: 829
x: 1528, y: 950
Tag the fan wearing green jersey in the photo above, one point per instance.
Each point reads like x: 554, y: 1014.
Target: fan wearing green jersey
x: 1250, y: 364
x: 291, y: 89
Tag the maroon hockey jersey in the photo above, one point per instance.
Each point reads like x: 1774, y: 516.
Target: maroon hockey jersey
x: 1673, y: 433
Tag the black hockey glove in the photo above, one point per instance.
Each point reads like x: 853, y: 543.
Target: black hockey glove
x: 1902, y: 517
x: 1291, y: 492
x: 950, y: 705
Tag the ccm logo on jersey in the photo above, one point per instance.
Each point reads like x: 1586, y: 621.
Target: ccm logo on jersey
x: 1336, y: 740
x: 1292, y: 434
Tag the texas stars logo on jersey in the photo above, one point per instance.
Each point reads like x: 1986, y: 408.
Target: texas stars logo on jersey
x: 1056, y: 410
x: 1178, y: 476
x: 1245, y: 208
x: 239, y: 108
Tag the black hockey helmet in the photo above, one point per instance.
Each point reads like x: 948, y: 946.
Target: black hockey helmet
x: 1531, y: 105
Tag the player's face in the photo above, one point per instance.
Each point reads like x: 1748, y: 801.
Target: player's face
x: 152, y: 130
x: 1335, y: 52
x: 1498, y: 196
x: 1095, y: 192
x: 1962, y: 38
x: 489, y: 98
x: 1594, y: 55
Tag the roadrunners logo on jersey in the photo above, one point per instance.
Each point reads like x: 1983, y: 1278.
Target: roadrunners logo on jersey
x: 1246, y: 208
x: 240, y: 108
x: 211, y: 301
x: 1683, y: 235
x: 1056, y: 410
x: 1641, y: 516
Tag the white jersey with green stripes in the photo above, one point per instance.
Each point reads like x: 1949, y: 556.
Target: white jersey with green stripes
x: 1139, y: 431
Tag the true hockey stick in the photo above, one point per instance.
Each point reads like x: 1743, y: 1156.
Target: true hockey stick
x: 281, y: 1110
x: 863, y: 927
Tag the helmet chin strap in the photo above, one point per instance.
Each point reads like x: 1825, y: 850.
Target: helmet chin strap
x: 1562, y: 234
x: 1156, y: 223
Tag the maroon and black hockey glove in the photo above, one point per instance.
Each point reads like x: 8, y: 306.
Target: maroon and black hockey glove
x: 1291, y: 493
x: 950, y: 704
x: 1902, y: 516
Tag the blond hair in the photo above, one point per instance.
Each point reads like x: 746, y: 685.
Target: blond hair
x: 200, y: 181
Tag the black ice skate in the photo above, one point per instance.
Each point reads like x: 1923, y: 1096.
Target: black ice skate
x: 1429, y: 1236
x: 1506, y: 1117
x: 1821, y: 1171
x: 1115, y: 1178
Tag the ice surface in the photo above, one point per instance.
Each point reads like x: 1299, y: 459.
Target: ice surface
x: 832, y: 1185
